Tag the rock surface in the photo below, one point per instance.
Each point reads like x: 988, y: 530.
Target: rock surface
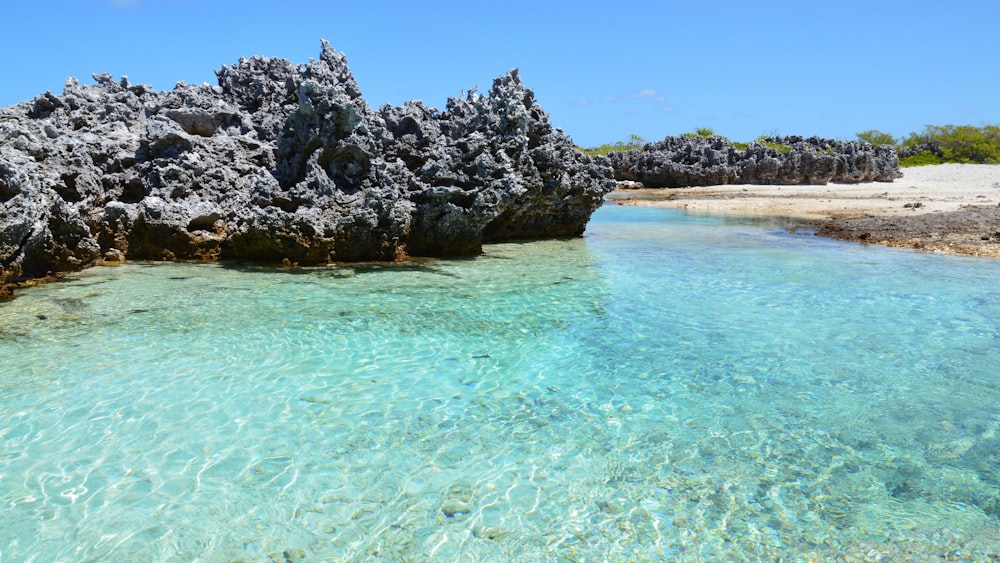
x: 932, y: 148
x: 972, y: 230
x: 949, y: 208
x: 707, y: 161
x: 279, y: 162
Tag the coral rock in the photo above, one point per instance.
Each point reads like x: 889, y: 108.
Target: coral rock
x: 706, y: 161
x: 280, y: 162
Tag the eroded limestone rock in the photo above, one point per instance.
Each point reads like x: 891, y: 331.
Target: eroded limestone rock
x: 279, y: 162
x: 705, y: 161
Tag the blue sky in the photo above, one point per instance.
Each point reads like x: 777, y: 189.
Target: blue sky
x: 603, y: 70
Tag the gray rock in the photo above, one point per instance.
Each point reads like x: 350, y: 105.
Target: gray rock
x: 932, y: 148
x: 703, y: 161
x: 280, y: 162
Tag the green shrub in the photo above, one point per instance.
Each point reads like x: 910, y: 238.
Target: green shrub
x: 782, y: 149
x: 960, y: 143
x: 920, y: 159
x: 914, y: 139
x: 635, y: 142
x: 877, y: 138
x: 968, y: 144
x: 703, y: 132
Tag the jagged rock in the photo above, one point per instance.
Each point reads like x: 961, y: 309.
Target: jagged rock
x: 703, y: 161
x: 279, y: 162
x: 932, y: 148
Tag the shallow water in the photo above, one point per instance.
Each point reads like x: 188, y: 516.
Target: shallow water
x: 667, y: 387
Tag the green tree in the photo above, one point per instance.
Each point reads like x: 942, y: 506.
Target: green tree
x: 914, y: 139
x: 966, y: 143
x: 953, y: 143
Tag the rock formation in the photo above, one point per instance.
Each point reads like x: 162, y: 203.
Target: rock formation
x: 704, y: 161
x: 279, y: 162
x: 932, y: 148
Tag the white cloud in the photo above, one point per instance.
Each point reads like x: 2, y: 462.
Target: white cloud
x: 644, y: 93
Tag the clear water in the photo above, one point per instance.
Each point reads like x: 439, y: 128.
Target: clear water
x: 667, y: 387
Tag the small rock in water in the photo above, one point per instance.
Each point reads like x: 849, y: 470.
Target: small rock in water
x: 288, y: 556
x: 488, y: 533
x: 609, y: 507
x: 113, y: 257
x: 452, y: 508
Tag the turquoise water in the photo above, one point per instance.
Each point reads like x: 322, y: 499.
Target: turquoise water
x: 667, y: 387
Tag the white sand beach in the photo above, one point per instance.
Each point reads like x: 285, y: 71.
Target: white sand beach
x: 923, y: 189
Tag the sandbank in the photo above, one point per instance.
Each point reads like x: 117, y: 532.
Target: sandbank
x: 951, y: 208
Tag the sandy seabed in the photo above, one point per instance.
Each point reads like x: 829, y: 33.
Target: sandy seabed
x: 952, y: 208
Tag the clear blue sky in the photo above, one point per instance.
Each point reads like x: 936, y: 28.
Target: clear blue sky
x: 603, y: 70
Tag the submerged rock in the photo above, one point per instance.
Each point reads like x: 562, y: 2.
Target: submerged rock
x: 280, y: 162
x: 706, y: 161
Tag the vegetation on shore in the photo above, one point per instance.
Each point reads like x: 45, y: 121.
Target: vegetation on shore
x: 766, y: 140
x: 936, y: 144
x: 635, y: 143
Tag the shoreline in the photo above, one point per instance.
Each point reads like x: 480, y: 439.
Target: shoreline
x: 948, y: 208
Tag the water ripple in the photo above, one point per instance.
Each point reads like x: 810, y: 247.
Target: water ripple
x: 667, y: 388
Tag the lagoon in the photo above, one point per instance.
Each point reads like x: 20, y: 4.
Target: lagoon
x: 669, y: 386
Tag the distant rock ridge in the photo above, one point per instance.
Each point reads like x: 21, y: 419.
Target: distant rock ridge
x: 932, y: 148
x: 279, y: 162
x: 705, y: 161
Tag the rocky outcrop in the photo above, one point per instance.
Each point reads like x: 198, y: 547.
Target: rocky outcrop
x: 973, y: 230
x: 704, y: 161
x: 913, y: 150
x: 280, y: 162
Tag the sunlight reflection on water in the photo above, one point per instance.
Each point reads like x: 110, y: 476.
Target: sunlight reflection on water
x: 668, y: 386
